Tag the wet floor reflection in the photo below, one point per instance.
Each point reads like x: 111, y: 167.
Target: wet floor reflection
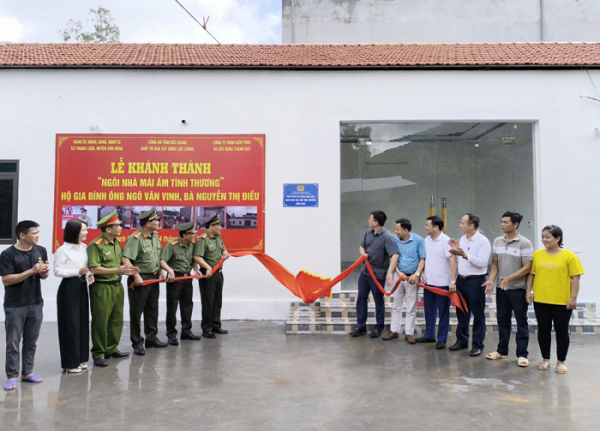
x: 257, y: 377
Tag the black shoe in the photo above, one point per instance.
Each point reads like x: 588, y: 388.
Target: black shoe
x: 457, y: 346
x: 209, y: 335
x: 117, y: 355
x: 375, y: 333
x: 173, y: 341
x: 358, y: 332
x: 155, y: 344
x: 139, y: 351
x: 475, y: 352
x: 190, y: 336
x: 220, y: 331
x: 439, y: 345
x: 425, y: 340
x: 100, y: 362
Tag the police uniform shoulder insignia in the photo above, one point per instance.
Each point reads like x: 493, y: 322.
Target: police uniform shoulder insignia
x: 137, y: 235
x: 105, y: 242
x: 174, y: 242
x: 98, y: 242
x: 203, y: 236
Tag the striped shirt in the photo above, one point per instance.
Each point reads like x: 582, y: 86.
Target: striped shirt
x: 380, y: 247
x: 511, y: 256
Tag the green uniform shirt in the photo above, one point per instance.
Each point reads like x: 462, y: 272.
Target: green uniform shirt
x: 178, y: 256
x: 210, y: 248
x: 103, y: 253
x: 86, y: 220
x: 144, y: 251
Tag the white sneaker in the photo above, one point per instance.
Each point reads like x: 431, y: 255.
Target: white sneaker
x: 73, y: 370
x: 83, y: 366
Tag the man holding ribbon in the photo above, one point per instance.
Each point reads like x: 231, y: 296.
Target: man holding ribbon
x: 143, y: 249
x: 380, y: 248
x: 106, y: 294
x: 440, y: 271
x: 209, y: 249
x: 410, y: 267
x: 177, y: 259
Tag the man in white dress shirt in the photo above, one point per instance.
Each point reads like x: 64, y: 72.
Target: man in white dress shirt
x: 473, y: 253
x: 440, y: 272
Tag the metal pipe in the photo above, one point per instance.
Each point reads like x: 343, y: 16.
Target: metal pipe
x: 293, y: 23
x: 541, y: 20
x: 431, y: 206
x: 444, y: 214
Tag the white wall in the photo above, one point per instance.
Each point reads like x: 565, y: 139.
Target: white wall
x: 300, y: 112
x: 439, y: 21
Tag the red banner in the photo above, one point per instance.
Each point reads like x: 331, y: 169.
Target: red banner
x: 186, y: 177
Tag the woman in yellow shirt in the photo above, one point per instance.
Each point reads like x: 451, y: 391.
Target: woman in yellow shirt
x: 555, y: 280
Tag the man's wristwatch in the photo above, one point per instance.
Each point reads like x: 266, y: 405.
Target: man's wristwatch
x: 418, y: 274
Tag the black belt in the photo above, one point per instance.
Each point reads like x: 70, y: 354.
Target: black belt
x: 407, y: 274
x: 471, y: 277
x: 181, y: 274
x: 150, y: 273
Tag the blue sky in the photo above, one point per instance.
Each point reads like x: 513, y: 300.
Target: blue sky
x: 143, y: 21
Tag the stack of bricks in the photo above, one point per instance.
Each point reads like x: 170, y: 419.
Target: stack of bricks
x: 338, y: 316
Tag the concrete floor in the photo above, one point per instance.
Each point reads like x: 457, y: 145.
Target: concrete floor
x: 257, y: 378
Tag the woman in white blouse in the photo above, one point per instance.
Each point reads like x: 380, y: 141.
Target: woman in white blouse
x: 70, y: 263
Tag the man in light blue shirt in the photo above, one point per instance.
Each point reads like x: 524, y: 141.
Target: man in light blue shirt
x: 410, y: 264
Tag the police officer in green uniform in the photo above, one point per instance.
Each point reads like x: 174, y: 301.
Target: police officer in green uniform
x: 143, y: 250
x: 84, y: 218
x: 208, y: 251
x: 177, y: 259
x: 106, y: 293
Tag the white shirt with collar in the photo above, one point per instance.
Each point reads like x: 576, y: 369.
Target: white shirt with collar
x: 478, y: 251
x: 69, y: 259
x: 437, y: 260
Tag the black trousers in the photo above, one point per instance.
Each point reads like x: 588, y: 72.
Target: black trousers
x: 546, y: 314
x: 143, y: 299
x: 507, y: 303
x: 73, y: 308
x: 179, y: 293
x: 474, y: 294
x: 211, y: 293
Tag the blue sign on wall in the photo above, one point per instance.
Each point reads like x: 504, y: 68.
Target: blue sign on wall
x: 300, y: 195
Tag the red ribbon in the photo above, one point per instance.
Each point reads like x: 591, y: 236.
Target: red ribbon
x: 455, y: 297
x: 310, y: 287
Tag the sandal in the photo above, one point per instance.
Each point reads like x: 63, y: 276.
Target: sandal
x: 561, y: 369
x: 495, y: 355
x: 544, y: 365
x: 523, y: 362
x: 34, y: 378
x: 10, y: 385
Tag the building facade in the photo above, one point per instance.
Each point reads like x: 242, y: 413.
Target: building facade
x: 435, y: 21
x: 483, y: 128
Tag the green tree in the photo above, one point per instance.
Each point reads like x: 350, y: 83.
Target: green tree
x: 105, y: 29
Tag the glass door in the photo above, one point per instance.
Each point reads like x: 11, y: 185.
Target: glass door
x: 405, y: 168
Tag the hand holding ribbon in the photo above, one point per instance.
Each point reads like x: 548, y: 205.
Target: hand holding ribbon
x: 310, y: 287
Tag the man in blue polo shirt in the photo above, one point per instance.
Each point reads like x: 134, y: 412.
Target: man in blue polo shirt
x: 411, y: 263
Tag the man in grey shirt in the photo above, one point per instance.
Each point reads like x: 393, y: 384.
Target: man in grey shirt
x: 511, y: 262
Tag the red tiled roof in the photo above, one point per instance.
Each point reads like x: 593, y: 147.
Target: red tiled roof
x: 472, y: 55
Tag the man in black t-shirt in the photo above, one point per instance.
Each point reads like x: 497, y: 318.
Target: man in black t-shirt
x: 22, y: 266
